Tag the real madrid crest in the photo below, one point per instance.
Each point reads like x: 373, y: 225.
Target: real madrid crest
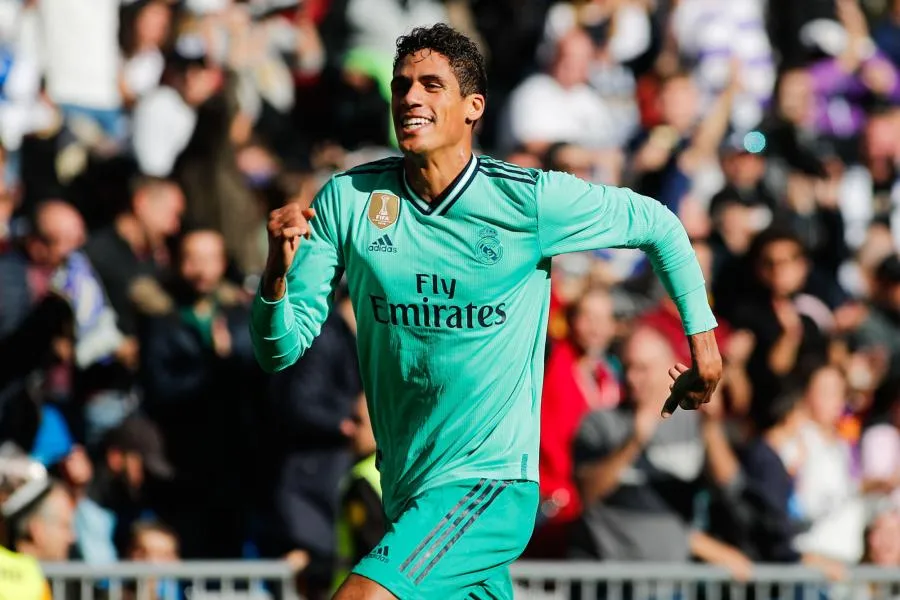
x: 383, y: 209
x: 488, y: 248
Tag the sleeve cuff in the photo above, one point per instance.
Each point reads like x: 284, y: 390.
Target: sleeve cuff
x: 696, y: 315
x: 270, y: 317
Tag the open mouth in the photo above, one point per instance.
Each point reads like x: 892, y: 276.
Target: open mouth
x: 414, y: 124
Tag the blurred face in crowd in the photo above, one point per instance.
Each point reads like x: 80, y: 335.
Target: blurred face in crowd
x: 430, y: 112
x: 152, y: 25
x: 881, y: 142
x: 50, y: 532
x: 203, y: 261
x: 575, y: 160
x: 647, y: 357
x: 782, y: 268
x: 77, y: 468
x: 680, y: 103
x: 738, y: 224
x: 744, y: 170
x: 524, y: 159
x: 884, y: 540
x: 572, y: 63
x: 128, y: 468
x: 795, y: 96
x: 201, y: 82
x: 826, y: 395
x: 59, y: 231
x: 159, y: 207
x: 593, y: 324
x: 154, y: 545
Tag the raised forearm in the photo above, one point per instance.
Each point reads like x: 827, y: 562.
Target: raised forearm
x: 783, y: 355
x: 599, y: 479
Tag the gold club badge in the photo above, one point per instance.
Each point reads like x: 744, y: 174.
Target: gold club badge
x: 383, y: 209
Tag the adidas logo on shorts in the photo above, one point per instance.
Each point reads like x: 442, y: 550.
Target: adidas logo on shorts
x: 383, y: 244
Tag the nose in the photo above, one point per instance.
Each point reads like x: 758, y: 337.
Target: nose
x: 411, y: 96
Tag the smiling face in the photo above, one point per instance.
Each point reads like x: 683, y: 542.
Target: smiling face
x: 429, y: 109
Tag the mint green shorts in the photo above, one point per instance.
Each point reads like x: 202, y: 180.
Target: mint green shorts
x: 456, y: 541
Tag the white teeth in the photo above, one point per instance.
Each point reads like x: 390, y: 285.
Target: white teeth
x: 415, y: 122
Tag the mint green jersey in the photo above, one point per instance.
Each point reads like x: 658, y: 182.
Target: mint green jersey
x: 451, y: 299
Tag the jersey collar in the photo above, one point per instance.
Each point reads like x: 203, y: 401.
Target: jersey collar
x: 442, y: 203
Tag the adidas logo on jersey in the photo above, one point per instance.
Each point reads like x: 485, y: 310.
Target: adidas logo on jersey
x: 383, y: 244
x: 380, y: 553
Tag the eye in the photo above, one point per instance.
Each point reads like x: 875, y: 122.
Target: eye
x: 400, y: 86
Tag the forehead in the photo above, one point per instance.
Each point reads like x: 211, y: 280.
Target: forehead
x: 781, y: 247
x: 424, y: 62
x: 156, y: 539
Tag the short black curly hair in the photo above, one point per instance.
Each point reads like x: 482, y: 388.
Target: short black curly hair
x: 462, y: 53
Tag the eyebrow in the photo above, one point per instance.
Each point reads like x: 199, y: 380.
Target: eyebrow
x: 427, y: 77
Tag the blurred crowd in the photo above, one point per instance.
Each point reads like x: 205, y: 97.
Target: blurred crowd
x: 144, y: 143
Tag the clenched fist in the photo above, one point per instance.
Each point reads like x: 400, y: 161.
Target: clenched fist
x: 286, y: 226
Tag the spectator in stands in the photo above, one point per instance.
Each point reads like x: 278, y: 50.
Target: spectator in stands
x: 361, y: 523
x: 80, y: 48
x: 827, y: 492
x: 154, y: 542
x: 579, y: 115
x: 880, y: 450
x: 103, y: 355
x: 309, y: 412
x: 882, y: 327
x: 580, y: 377
x: 626, y: 43
x: 94, y: 524
x: 132, y: 254
x: 41, y: 345
x: 144, y: 34
x: 883, y: 540
x: 44, y: 530
x: 57, y: 230
x: 789, y: 326
x: 712, y: 36
x: 22, y: 482
x: 665, y: 156
x: 759, y: 513
x: 744, y: 206
x: 199, y: 378
x: 130, y: 466
x: 638, y: 476
x: 886, y: 33
x: 164, y: 119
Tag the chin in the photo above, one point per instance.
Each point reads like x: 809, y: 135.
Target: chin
x: 413, y: 145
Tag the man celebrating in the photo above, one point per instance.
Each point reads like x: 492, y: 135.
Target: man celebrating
x: 447, y: 256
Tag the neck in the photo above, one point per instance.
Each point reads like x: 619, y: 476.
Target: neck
x: 776, y: 437
x: 28, y: 549
x: 203, y: 306
x: 130, y: 230
x: 431, y: 175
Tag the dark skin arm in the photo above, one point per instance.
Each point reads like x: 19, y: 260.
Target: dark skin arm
x: 693, y: 386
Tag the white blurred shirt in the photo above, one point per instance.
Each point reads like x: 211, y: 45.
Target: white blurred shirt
x: 540, y: 110
x: 828, y: 495
x: 163, y: 124
x: 80, y: 50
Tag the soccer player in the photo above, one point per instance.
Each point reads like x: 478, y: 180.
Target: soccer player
x: 447, y: 257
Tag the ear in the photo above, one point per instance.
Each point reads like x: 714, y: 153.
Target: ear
x: 475, y: 108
